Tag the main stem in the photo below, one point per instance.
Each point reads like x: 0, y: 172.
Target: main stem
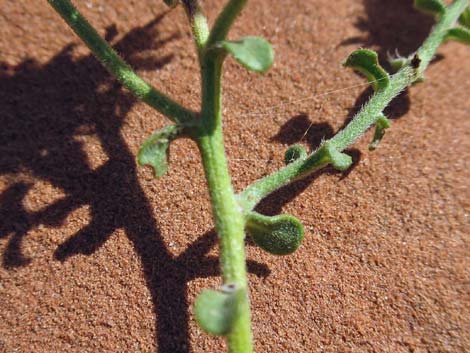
x: 229, y: 221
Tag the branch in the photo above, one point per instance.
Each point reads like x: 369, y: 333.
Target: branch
x: 225, y: 20
x: 330, y: 151
x: 198, y: 22
x: 118, y: 67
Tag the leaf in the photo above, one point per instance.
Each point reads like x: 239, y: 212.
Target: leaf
x: 340, y: 161
x: 459, y: 34
x: 380, y: 126
x: 293, y: 153
x: 430, y: 7
x: 278, y: 235
x: 366, y: 62
x: 254, y: 53
x: 464, y: 18
x: 216, y: 311
x: 154, y: 150
x: 329, y: 154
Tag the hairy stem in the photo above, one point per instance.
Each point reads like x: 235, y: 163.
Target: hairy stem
x: 225, y: 20
x: 228, y: 216
x: 229, y: 221
x: 198, y: 23
x: 364, y: 119
x: 118, y: 67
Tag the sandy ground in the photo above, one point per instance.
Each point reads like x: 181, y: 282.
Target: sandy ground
x: 97, y: 256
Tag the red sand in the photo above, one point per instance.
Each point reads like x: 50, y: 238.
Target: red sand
x: 97, y: 256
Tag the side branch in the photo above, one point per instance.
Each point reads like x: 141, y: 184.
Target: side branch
x: 363, y: 120
x: 198, y: 22
x: 225, y: 20
x: 118, y: 67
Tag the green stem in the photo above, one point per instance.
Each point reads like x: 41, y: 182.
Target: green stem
x: 227, y: 213
x: 118, y: 67
x: 228, y: 217
x: 365, y: 118
x: 225, y: 20
x: 200, y: 29
x: 198, y: 23
x: 427, y: 51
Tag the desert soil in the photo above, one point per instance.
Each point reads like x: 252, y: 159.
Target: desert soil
x: 98, y: 256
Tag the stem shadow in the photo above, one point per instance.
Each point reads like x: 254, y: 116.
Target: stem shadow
x: 45, y: 109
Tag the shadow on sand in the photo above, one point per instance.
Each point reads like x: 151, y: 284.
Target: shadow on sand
x: 44, y: 108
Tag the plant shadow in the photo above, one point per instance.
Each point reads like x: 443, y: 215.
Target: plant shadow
x: 45, y: 109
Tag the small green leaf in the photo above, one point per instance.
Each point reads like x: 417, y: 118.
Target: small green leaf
x: 278, y: 235
x: 216, y: 311
x: 459, y: 34
x: 330, y: 155
x: 464, y: 18
x: 340, y: 161
x: 380, y: 126
x: 366, y: 62
x: 154, y: 150
x: 293, y: 153
x: 430, y: 7
x: 254, y: 53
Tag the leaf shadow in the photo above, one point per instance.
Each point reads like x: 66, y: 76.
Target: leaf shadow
x: 45, y: 109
